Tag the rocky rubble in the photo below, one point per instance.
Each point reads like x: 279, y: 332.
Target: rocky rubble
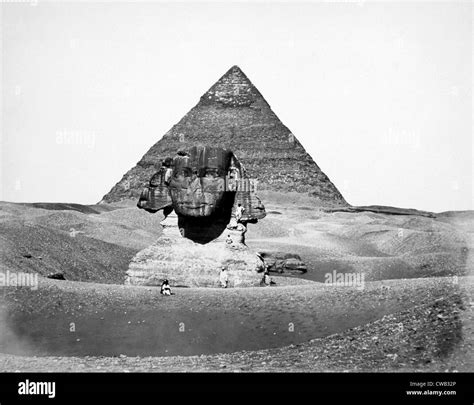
x: 280, y: 262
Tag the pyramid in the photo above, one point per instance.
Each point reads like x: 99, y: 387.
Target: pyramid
x: 234, y: 115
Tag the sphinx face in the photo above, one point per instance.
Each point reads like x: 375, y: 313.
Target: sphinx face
x: 198, y: 184
x: 196, y: 196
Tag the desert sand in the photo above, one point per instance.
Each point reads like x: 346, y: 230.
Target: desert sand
x: 414, y: 311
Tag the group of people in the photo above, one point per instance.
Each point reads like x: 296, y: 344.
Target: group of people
x: 223, y: 281
x: 224, y: 276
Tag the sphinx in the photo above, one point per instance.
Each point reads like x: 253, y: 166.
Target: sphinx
x: 200, y: 192
x: 204, y: 187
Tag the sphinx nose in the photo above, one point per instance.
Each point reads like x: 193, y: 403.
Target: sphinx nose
x: 195, y: 186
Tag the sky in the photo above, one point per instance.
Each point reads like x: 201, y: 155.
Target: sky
x: 379, y: 93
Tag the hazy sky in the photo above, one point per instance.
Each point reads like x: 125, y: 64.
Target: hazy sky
x: 380, y: 94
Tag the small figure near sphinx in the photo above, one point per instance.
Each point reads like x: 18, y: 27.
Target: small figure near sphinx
x: 207, y: 200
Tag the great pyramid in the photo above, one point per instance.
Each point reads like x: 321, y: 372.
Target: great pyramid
x: 234, y: 115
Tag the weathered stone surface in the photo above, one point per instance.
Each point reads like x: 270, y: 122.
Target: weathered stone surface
x: 198, y: 181
x: 187, y: 263
x: 279, y: 262
x: 155, y: 196
x: 201, y: 182
x: 192, y: 254
x: 234, y: 115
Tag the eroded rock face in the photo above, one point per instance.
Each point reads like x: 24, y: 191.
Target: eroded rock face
x: 200, y: 190
x: 198, y: 181
x: 280, y: 262
x: 201, y: 182
x: 187, y: 263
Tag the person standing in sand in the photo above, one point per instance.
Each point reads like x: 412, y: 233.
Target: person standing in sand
x: 224, y: 278
x: 267, y: 279
x: 239, y: 212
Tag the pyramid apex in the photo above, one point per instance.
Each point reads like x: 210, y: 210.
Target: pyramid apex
x: 236, y: 68
x: 236, y: 71
x: 233, y: 89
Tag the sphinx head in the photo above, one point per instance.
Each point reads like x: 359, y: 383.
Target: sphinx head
x: 199, y: 181
x: 204, y: 186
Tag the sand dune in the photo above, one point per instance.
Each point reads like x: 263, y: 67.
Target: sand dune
x: 409, y: 262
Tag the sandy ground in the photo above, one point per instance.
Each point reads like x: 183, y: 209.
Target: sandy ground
x: 414, y: 312
x: 435, y: 334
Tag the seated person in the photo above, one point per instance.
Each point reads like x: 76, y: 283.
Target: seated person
x: 165, y: 288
